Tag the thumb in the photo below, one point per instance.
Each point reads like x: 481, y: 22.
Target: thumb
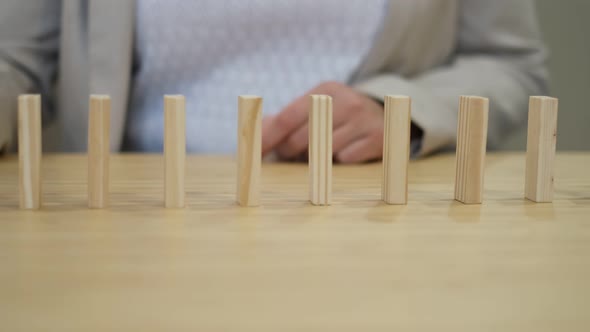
x: 267, y: 141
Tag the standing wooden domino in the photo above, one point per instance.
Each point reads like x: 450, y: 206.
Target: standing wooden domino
x: 540, y: 151
x: 249, y: 150
x: 174, y: 151
x: 396, y: 149
x: 472, y: 135
x: 29, y: 151
x: 99, y: 118
x: 320, y: 150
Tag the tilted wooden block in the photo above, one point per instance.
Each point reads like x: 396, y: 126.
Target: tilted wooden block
x: 540, y: 151
x: 320, y: 150
x: 472, y: 135
x: 174, y: 151
x: 396, y: 149
x: 249, y: 150
x: 29, y: 151
x: 99, y: 117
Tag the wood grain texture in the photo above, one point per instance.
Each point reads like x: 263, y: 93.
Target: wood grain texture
x: 29, y: 151
x: 249, y: 150
x: 472, y: 132
x: 541, y: 145
x: 99, y: 119
x: 174, y: 151
x: 358, y: 265
x: 320, y: 150
x: 396, y: 149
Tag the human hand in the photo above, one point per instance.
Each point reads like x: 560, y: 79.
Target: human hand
x: 357, y: 126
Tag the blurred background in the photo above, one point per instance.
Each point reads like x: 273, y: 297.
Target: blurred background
x: 566, y: 30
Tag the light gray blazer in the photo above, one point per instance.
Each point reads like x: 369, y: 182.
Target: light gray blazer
x: 432, y: 50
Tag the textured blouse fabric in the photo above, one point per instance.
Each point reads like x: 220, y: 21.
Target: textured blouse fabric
x: 212, y: 51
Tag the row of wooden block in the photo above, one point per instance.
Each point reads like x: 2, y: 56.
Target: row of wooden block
x: 471, y: 150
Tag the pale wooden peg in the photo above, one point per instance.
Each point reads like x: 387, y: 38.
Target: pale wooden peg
x: 320, y: 150
x: 99, y: 119
x: 174, y: 150
x: 396, y: 149
x: 472, y: 135
x: 540, y: 151
x: 29, y: 151
x: 249, y: 150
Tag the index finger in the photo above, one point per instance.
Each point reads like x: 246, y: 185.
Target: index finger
x: 277, y: 128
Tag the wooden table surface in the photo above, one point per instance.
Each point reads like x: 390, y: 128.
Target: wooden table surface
x: 358, y: 265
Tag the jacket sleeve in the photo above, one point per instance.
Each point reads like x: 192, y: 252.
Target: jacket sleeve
x: 499, y: 55
x: 29, y: 40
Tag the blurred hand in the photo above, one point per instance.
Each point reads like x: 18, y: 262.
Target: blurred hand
x: 357, y: 120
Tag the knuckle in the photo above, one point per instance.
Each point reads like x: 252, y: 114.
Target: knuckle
x: 330, y: 86
x: 356, y: 104
x: 294, y: 144
x: 376, y: 137
x: 283, y: 121
x: 349, y: 157
x: 342, y: 157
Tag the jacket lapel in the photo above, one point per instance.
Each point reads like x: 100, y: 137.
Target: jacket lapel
x: 110, y: 52
x: 379, y: 57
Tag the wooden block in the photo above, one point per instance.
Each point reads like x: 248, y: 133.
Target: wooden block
x: 174, y: 151
x: 29, y: 151
x: 320, y: 150
x: 249, y: 150
x: 540, y: 150
x: 396, y: 149
x: 99, y: 119
x: 472, y: 135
